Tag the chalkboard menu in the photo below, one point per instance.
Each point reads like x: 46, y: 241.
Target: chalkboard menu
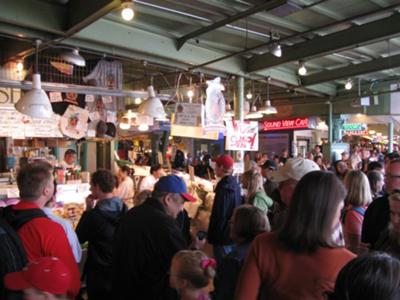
x: 18, y: 126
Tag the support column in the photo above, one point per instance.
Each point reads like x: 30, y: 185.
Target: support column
x: 390, y: 136
x: 330, y: 123
x: 238, y: 107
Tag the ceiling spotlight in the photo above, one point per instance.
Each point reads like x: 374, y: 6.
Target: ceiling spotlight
x: 19, y: 66
x: 138, y: 100
x: 73, y: 57
x: 349, y: 84
x: 277, y: 50
x: 127, y: 12
x: 302, y: 69
x: 249, y: 95
x: 153, y: 106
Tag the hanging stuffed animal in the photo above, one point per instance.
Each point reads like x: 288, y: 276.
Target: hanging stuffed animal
x: 215, y: 104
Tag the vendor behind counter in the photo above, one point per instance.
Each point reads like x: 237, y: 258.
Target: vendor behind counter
x: 69, y: 161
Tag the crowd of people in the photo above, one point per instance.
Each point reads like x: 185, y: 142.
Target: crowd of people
x: 287, y: 228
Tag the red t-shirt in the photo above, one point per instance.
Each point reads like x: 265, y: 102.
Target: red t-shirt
x: 43, y: 237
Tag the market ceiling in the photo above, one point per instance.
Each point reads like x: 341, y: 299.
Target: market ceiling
x: 335, y: 39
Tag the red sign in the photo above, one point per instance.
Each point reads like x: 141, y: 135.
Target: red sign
x: 299, y: 123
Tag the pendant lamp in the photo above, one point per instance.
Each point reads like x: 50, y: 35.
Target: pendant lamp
x: 35, y: 103
x: 268, y: 109
x: 73, y: 57
x: 153, y: 106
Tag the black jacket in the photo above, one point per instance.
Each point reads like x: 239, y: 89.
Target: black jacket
x: 376, y: 220
x: 97, y: 226
x: 227, y: 198
x: 145, y: 242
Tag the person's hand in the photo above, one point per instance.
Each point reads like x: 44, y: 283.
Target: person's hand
x: 90, y: 202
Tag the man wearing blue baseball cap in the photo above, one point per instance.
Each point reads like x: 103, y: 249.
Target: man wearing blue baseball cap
x: 145, y: 242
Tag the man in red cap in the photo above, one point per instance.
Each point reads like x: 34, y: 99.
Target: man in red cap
x: 227, y: 198
x: 44, y: 278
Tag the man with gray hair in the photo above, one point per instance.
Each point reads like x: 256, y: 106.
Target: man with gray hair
x: 145, y: 242
x: 389, y: 240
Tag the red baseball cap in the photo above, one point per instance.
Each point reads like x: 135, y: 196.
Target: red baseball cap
x: 47, y: 274
x: 225, y: 161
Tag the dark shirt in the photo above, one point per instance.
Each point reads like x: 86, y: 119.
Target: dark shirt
x: 388, y: 245
x: 145, y: 242
x: 228, y: 272
x: 227, y: 198
x: 376, y: 220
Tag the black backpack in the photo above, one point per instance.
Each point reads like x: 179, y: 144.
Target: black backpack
x: 12, y: 254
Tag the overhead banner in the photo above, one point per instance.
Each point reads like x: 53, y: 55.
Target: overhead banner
x: 241, y: 135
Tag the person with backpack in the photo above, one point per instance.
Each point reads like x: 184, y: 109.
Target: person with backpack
x: 97, y: 227
x: 357, y: 200
x: 39, y: 235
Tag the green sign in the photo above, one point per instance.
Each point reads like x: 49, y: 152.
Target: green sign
x: 354, y: 127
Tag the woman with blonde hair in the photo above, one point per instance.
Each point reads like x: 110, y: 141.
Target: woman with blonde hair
x: 357, y: 200
x: 252, y: 181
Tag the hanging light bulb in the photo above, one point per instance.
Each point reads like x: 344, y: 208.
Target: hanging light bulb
x: 277, y: 50
x: 268, y: 109
x: 349, y: 84
x: 125, y: 124
x: 138, y: 100
x: 19, y: 66
x: 190, y: 93
x: 143, y: 127
x: 249, y: 95
x: 127, y: 12
x: 302, y: 69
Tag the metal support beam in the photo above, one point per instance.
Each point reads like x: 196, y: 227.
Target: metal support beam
x: 339, y: 41
x: 353, y: 70
x: 238, y: 104
x: 80, y: 16
x: 390, y: 136
x: 330, y: 124
x: 268, y: 5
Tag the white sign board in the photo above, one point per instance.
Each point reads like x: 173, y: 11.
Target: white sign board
x: 19, y: 126
x: 241, y: 135
x: 188, y: 114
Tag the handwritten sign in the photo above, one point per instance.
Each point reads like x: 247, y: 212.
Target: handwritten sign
x: 241, y: 135
x: 19, y: 126
x: 298, y: 123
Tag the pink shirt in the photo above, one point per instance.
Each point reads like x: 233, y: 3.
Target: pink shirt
x: 353, y: 222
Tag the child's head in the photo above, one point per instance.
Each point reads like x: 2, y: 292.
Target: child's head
x: 191, y: 269
x: 44, y: 278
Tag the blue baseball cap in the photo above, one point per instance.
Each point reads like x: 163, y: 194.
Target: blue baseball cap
x: 173, y: 184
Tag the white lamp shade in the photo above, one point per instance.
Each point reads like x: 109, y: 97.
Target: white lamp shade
x: 268, y: 109
x: 73, y: 57
x: 152, y: 107
x: 35, y: 102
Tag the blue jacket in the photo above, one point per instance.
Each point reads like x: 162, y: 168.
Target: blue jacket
x: 227, y: 198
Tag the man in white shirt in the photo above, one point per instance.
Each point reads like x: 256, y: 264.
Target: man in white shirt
x: 148, y: 182
x: 66, y: 225
x: 69, y: 161
x: 125, y: 185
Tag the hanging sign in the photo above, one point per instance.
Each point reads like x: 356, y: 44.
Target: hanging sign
x: 241, y: 136
x: 355, y: 128
x: 298, y: 123
x: 188, y: 114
